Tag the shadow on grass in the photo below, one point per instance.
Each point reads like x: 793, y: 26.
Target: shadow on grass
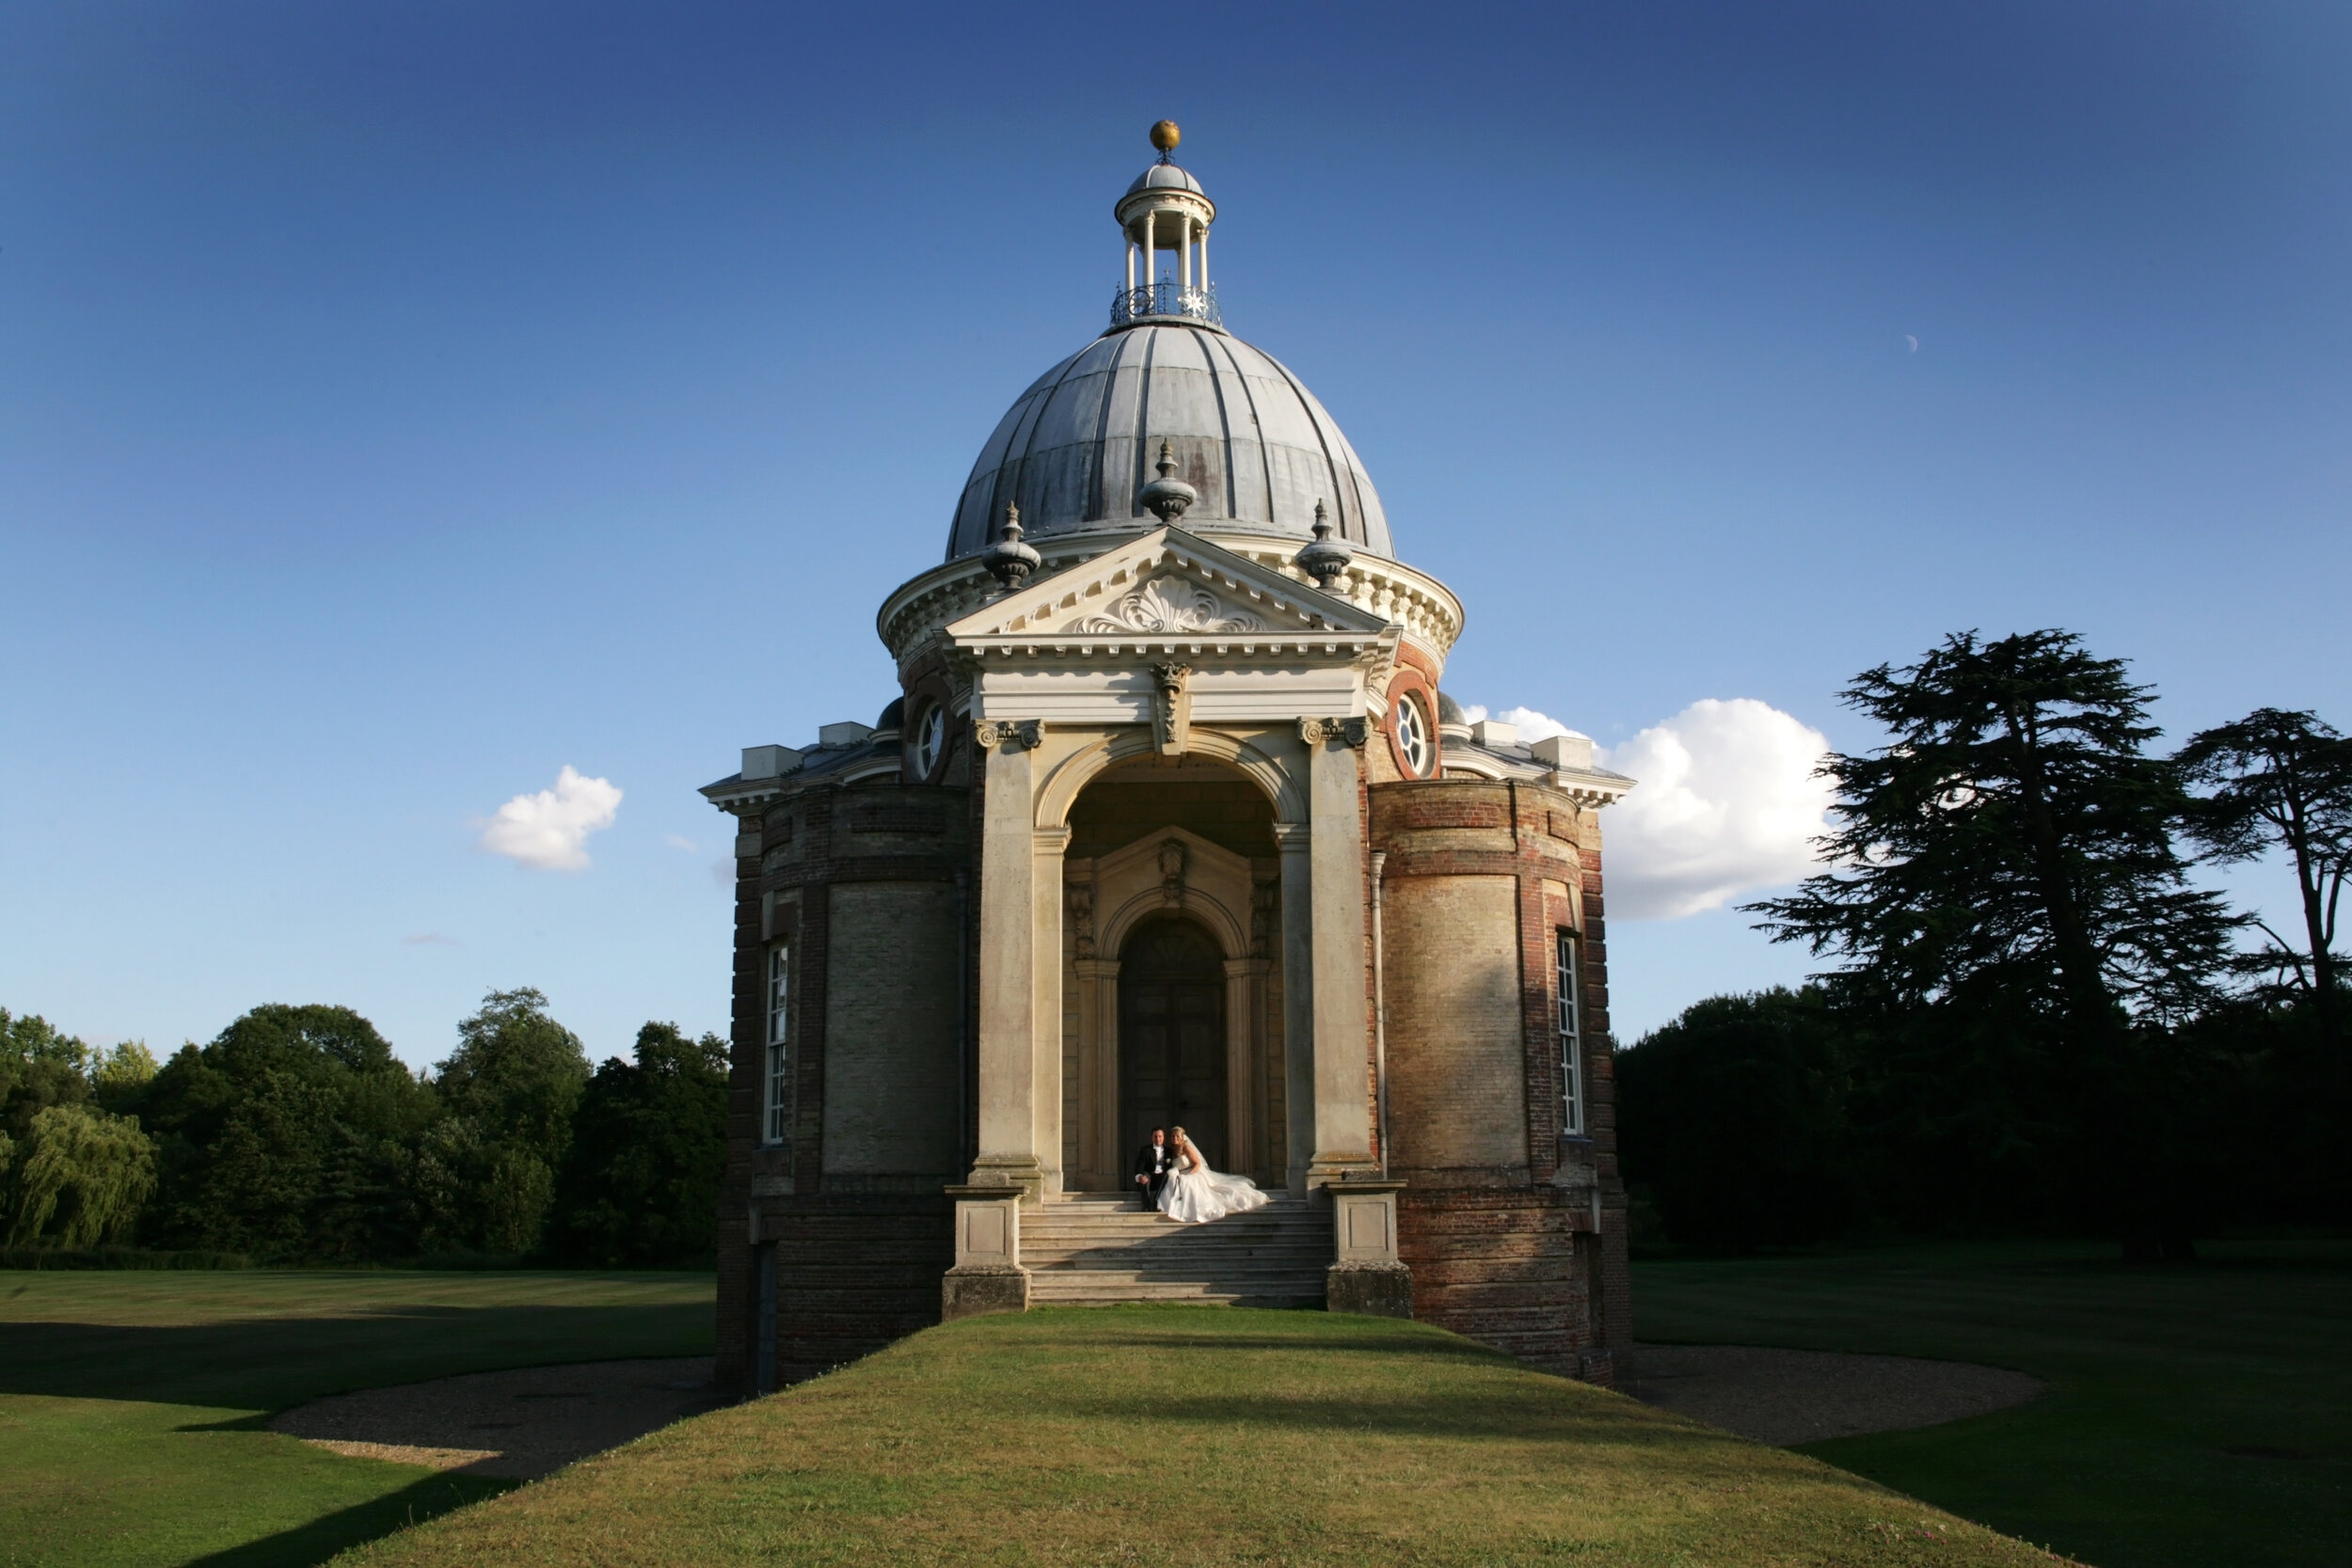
x: 270, y: 1363
x: 1481, y: 1417
x: 1392, y: 1345
x: 323, y: 1536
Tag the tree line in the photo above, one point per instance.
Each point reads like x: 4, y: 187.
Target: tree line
x: 2035, y: 1019
x: 297, y: 1135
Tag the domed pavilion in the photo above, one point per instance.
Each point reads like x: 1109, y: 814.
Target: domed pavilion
x: 1168, y: 824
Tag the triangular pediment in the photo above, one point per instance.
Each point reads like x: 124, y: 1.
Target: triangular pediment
x: 1164, y: 585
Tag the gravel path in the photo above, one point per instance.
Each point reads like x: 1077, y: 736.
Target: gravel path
x: 1784, y: 1397
x: 527, y: 1423
x: 520, y: 1424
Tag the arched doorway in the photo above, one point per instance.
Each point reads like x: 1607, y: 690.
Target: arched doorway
x: 1171, y: 1036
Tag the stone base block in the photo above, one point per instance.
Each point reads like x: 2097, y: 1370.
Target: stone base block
x: 970, y: 1292
x: 1375, y: 1289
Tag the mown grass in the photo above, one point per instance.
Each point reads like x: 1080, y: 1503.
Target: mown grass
x: 2197, y: 1417
x: 132, y: 1403
x: 1184, y: 1435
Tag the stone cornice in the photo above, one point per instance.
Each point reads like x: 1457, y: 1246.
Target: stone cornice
x: 913, y: 619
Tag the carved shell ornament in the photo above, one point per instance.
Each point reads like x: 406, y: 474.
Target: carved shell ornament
x: 1164, y: 605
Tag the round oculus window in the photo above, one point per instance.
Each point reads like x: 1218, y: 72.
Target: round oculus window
x: 1412, y: 735
x: 931, y: 735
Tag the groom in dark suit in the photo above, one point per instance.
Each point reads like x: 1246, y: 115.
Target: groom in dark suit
x: 1153, y: 1165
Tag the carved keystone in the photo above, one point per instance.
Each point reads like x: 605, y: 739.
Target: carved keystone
x: 1171, y: 728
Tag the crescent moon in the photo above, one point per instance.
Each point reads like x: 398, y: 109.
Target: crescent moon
x: 1913, y: 341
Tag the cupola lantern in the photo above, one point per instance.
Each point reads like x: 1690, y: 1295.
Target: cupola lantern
x: 1165, y: 210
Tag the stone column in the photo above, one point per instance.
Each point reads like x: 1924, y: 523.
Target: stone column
x: 1045, y: 1054
x: 1008, y: 1020
x: 1342, y: 1120
x: 1295, y: 841
x: 1099, y: 1154
x: 1243, y: 978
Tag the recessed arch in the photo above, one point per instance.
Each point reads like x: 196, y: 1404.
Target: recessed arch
x: 1075, y: 771
x: 1216, y: 892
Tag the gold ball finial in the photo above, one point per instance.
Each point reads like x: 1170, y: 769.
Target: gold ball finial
x: 1164, y: 135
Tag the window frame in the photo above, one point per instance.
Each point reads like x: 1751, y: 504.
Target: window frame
x: 927, y: 740
x: 1568, y: 1027
x: 775, y: 1109
x: 1410, y: 723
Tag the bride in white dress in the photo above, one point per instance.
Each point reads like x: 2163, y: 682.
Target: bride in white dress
x: 1197, y: 1195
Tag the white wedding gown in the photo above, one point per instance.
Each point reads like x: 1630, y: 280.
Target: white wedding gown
x: 1197, y: 1195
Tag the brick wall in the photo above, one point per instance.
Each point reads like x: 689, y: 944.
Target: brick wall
x: 868, y: 883
x: 1457, y: 1088
x: 852, y: 1274
x: 1499, y: 1232
x: 1502, y: 1267
x: 891, y: 1101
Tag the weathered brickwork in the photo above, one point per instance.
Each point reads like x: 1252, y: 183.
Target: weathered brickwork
x: 1457, y: 1088
x: 1498, y: 1222
x: 1505, y: 1268
x: 868, y: 887
x: 892, y: 1110
x: 852, y: 1274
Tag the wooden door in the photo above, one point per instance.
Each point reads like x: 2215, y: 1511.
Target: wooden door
x: 1171, y: 1038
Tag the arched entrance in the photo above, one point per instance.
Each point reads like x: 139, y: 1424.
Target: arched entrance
x: 1172, y: 987
x: 1171, y: 1036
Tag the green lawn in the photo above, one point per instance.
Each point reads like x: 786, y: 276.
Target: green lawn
x: 1195, y: 1435
x: 131, y: 1402
x: 2198, y: 1417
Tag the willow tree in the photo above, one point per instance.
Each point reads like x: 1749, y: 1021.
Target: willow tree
x: 80, y: 1178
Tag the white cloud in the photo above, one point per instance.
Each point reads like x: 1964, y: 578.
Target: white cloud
x: 1532, y: 726
x: 550, y: 830
x: 428, y: 938
x: 679, y: 840
x: 1727, y: 803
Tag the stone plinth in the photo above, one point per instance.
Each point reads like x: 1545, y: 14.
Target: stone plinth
x: 988, y: 1275
x: 1366, y: 1275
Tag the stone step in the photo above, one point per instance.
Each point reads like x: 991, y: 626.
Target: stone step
x: 1205, y: 1296
x: 1307, y: 1276
x: 1173, y: 1240
x: 1101, y: 1249
x: 1161, y: 1247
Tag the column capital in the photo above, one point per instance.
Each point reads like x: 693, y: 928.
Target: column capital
x: 1354, y: 732
x: 1015, y: 735
x: 1292, y: 838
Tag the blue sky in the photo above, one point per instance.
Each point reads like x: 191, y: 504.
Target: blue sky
x: 400, y: 403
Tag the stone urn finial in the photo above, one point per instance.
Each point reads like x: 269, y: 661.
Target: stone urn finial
x: 1327, y: 558
x: 1008, y: 560
x: 1168, y: 496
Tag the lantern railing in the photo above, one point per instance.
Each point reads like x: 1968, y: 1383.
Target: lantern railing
x: 1165, y: 299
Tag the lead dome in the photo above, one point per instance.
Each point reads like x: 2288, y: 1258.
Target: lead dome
x: 1077, y: 448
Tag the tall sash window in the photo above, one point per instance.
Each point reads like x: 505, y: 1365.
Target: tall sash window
x: 1571, y: 1026
x: 777, y: 1095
